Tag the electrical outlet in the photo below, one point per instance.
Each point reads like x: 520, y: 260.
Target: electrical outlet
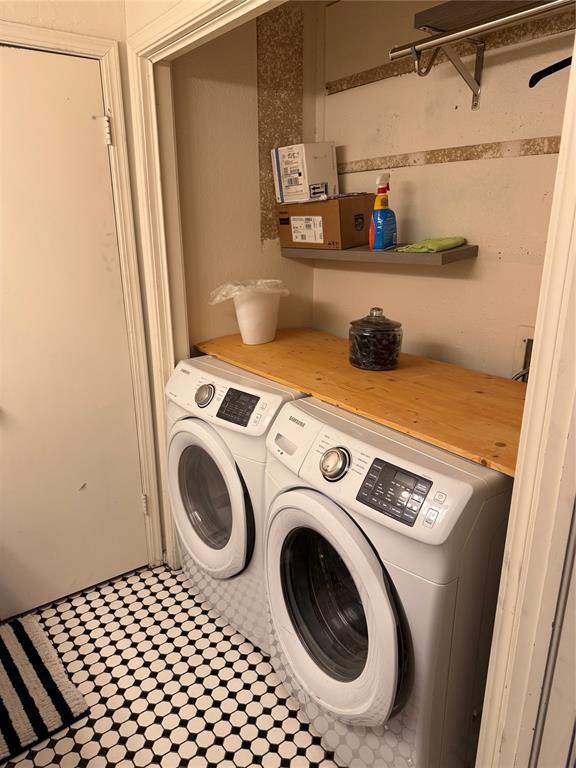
x: 522, y: 347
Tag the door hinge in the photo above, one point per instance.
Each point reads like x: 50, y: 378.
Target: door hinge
x: 107, y: 130
x: 145, y: 505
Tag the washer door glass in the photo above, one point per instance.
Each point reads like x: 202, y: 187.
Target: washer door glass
x: 335, y: 620
x: 205, y: 496
x: 211, y: 506
x: 324, y: 604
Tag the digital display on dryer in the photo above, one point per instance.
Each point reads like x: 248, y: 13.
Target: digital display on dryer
x: 394, y: 491
x: 237, y: 407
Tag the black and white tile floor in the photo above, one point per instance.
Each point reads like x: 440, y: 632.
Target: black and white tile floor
x: 169, y: 684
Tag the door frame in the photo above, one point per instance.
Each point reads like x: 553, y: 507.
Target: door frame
x: 537, y: 529
x: 106, y: 53
x: 182, y: 28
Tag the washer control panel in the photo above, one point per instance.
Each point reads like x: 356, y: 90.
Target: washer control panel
x: 393, y: 491
x: 237, y: 407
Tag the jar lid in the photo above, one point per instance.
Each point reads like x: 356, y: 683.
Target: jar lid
x: 376, y: 320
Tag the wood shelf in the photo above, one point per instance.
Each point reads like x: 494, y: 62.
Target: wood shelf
x: 472, y: 414
x: 363, y: 254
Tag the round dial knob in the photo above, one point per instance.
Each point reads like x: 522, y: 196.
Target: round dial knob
x: 204, y: 395
x: 334, y: 463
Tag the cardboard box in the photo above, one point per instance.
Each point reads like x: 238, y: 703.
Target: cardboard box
x: 305, y: 172
x: 339, y: 223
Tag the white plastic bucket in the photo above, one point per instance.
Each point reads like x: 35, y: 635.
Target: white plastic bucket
x: 257, y: 315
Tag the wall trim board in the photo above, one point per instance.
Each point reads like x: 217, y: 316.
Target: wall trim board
x: 106, y: 52
x: 189, y: 24
x: 493, y: 150
x: 501, y: 38
x: 171, y: 198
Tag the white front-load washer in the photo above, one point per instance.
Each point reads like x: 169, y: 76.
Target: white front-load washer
x: 218, y: 417
x: 382, y: 557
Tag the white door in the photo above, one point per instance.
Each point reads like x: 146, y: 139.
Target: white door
x: 211, y: 506
x: 70, y: 484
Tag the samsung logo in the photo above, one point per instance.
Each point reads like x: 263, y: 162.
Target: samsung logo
x: 296, y: 421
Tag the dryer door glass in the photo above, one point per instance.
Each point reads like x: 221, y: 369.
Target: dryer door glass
x: 336, y: 630
x: 205, y: 496
x: 324, y: 604
x: 211, y: 505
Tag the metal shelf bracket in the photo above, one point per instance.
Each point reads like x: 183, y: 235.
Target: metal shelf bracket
x: 444, y: 41
x: 473, y: 81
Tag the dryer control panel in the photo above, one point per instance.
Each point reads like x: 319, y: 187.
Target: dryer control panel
x: 394, y: 491
x: 388, y: 478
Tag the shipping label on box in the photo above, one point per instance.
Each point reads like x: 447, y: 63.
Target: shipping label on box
x: 292, y: 172
x: 307, y: 229
x: 304, y: 172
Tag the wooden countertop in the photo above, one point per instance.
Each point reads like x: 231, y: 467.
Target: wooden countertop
x: 471, y: 414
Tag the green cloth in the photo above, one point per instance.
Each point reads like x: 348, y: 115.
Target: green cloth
x: 433, y: 245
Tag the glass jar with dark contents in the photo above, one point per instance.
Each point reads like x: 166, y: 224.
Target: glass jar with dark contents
x: 375, y: 341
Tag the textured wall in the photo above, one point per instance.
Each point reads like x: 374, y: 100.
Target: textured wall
x: 280, y: 96
x: 487, y: 175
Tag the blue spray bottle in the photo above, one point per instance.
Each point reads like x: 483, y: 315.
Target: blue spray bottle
x: 383, y: 233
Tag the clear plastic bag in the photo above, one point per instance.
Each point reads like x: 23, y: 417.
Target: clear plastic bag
x: 238, y: 287
x: 256, y: 303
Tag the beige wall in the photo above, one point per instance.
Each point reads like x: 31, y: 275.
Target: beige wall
x: 216, y: 106
x: 139, y: 13
x: 467, y: 313
x: 100, y: 18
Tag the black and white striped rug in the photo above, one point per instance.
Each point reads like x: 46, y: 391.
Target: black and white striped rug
x: 36, y: 696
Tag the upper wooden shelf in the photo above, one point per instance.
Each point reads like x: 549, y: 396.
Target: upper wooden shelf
x: 471, y: 414
x: 363, y: 254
